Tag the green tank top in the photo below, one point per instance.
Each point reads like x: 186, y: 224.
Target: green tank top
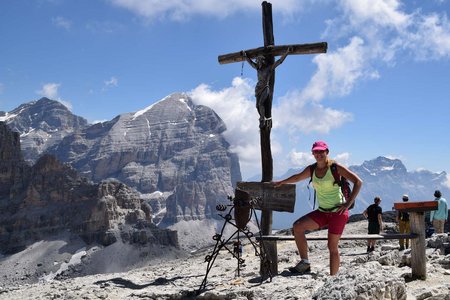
x: 328, y: 195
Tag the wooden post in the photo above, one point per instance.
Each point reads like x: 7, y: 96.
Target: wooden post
x: 418, y: 257
x: 266, y: 152
x: 417, y: 221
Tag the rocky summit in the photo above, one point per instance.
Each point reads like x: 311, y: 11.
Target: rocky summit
x: 42, y: 124
x: 172, y: 152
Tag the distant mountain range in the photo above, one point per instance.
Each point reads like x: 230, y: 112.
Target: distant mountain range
x: 173, y: 152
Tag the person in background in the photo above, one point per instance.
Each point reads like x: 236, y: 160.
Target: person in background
x: 439, y: 217
x: 332, y: 211
x: 374, y: 215
x: 403, y: 225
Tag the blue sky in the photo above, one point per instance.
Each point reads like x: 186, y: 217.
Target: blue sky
x: 381, y: 89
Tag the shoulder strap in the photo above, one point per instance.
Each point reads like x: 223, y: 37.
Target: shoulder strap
x: 312, y: 167
x: 335, y: 172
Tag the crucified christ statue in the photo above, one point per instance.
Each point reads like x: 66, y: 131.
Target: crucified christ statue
x: 263, y: 91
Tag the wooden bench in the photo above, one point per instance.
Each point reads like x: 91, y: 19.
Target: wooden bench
x: 311, y: 237
x: 417, y: 220
x: 272, y: 240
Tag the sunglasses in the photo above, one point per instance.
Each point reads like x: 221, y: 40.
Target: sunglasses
x: 319, y: 151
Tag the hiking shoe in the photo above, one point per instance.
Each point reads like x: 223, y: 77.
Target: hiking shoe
x: 300, y: 268
x: 401, y: 248
x: 368, y: 249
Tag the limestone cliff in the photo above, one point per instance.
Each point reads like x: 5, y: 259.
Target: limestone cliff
x: 171, y: 148
x: 50, y: 197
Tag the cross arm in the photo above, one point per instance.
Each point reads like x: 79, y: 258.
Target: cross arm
x: 274, y: 50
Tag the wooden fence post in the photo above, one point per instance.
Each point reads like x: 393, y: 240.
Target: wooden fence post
x: 418, y: 257
x: 417, y: 221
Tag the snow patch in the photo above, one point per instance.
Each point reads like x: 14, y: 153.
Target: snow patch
x: 186, y: 103
x: 7, y: 117
x: 149, y: 128
x: 30, y: 130
x: 388, y: 168
x: 143, y: 111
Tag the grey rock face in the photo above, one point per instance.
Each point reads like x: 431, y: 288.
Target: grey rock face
x: 171, y: 147
x: 12, y: 166
x: 41, y: 124
x: 363, y: 283
x: 50, y: 197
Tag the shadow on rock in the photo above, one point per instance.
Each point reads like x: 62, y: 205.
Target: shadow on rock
x: 287, y: 273
x: 125, y: 283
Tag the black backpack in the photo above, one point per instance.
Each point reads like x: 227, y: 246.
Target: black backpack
x: 338, y: 179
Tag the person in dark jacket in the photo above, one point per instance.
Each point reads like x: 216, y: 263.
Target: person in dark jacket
x: 374, y: 215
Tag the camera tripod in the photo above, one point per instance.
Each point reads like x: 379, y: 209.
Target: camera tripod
x: 242, y: 208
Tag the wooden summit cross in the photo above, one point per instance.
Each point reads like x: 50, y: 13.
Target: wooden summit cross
x: 264, y: 94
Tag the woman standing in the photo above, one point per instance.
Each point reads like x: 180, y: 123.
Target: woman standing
x: 332, y: 211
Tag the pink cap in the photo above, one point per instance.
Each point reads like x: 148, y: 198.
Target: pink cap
x: 319, y: 145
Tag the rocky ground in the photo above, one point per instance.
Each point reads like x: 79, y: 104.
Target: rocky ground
x: 382, y: 274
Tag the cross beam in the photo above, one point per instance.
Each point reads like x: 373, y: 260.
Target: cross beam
x: 274, y: 51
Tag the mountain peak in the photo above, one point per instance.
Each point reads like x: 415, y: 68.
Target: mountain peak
x: 384, y: 164
x: 42, y: 123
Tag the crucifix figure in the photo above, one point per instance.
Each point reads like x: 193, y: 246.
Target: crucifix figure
x: 264, y: 91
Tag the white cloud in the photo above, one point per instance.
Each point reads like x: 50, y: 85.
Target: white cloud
x: 389, y: 32
x: 112, y: 82
x: 236, y: 107
x: 447, y: 182
x: 300, y: 159
x: 62, y: 22
x: 49, y: 90
x: 181, y: 10
x: 431, y: 39
x: 380, y: 12
x: 338, y: 71
x: 343, y: 158
x: 104, y: 27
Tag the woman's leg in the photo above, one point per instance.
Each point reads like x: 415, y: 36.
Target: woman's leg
x: 335, y: 259
x: 299, y: 228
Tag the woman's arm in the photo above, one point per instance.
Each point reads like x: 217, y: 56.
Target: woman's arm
x: 294, y: 178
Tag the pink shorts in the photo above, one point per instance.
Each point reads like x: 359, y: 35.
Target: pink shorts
x: 335, y: 221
